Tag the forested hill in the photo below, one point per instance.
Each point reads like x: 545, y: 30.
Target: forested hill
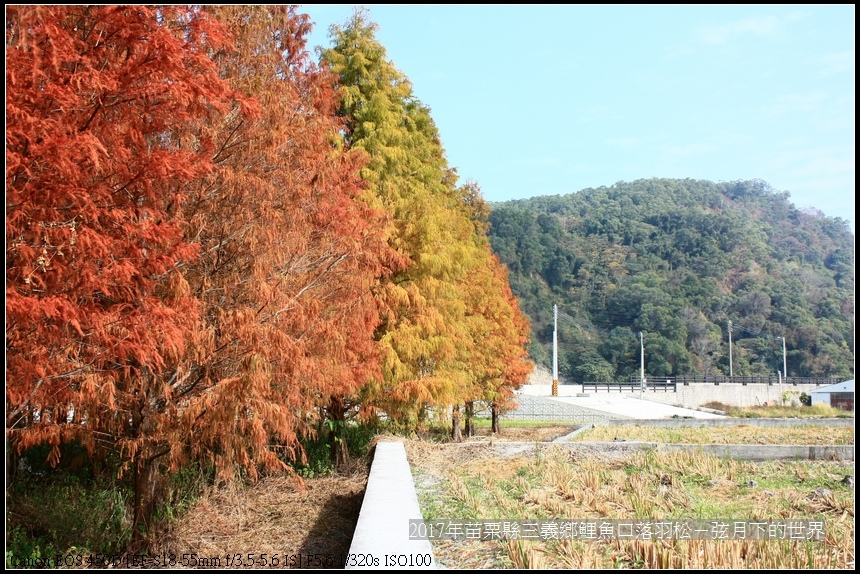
x: 678, y: 260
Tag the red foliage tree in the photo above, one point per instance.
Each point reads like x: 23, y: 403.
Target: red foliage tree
x: 95, y: 308
x: 289, y: 257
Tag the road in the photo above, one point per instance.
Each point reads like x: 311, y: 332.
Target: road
x: 628, y: 406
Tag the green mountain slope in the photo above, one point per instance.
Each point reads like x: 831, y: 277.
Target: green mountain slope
x: 678, y: 260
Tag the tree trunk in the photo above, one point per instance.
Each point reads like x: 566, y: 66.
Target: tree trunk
x: 13, y: 457
x: 470, y: 423
x: 145, y: 469
x: 494, y: 409
x: 337, y: 441
x: 456, y: 434
x: 12, y: 461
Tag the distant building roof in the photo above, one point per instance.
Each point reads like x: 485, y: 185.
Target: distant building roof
x: 843, y: 387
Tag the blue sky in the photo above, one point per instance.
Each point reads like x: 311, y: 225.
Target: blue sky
x: 545, y: 100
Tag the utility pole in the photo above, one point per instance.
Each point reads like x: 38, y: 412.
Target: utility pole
x: 730, y: 348
x: 555, y: 351
x: 784, y: 362
x: 642, y: 361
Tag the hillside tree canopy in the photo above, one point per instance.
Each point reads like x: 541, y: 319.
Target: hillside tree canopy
x: 677, y: 260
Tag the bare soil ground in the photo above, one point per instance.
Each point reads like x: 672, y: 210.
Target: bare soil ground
x: 275, y: 522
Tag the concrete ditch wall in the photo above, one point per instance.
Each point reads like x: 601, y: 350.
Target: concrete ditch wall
x: 767, y: 451
x: 753, y: 452
x: 772, y: 423
x: 381, y: 539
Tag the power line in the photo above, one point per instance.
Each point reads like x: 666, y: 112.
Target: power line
x: 618, y: 322
x: 582, y: 324
x: 588, y: 326
x: 755, y: 333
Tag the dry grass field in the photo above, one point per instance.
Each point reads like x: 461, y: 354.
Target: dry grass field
x: 522, y: 476
x: 742, y: 434
x: 546, y: 482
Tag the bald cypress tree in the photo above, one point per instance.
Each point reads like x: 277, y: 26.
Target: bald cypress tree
x: 428, y: 335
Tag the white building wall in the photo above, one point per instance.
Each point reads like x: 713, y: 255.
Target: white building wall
x: 820, y: 398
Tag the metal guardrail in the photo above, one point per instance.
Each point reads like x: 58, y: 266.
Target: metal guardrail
x: 670, y: 384
x: 665, y: 386
x: 713, y: 380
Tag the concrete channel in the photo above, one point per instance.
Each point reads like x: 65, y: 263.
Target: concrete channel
x: 381, y: 540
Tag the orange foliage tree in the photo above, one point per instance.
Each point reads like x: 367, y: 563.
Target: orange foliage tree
x: 95, y: 307
x: 507, y: 365
x: 494, y: 354
x: 289, y: 256
x: 189, y: 267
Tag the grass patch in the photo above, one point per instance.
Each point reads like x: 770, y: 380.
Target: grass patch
x: 63, y: 515
x: 818, y: 411
x: 319, y: 462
